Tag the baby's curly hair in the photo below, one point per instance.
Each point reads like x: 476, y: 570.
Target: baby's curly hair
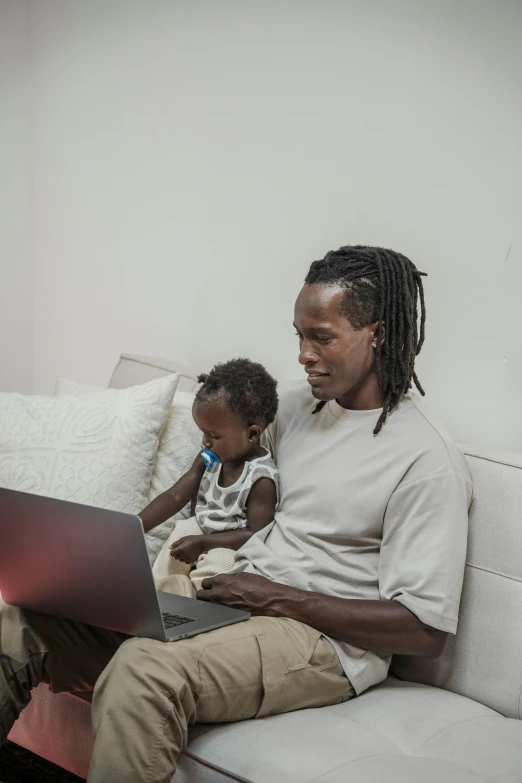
x: 247, y: 387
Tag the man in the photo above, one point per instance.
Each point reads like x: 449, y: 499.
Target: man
x: 365, y: 557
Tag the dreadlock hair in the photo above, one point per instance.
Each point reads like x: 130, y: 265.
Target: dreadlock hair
x: 380, y: 285
x: 247, y: 388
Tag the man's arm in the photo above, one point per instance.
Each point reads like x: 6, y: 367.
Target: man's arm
x: 175, y: 498
x: 385, y: 627
x: 261, y: 504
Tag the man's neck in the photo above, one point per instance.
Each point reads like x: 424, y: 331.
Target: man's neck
x: 368, y: 398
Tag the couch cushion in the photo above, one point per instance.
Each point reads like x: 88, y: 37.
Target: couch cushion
x: 484, y: 660
x: 397, y: 732
x: 132, y: 369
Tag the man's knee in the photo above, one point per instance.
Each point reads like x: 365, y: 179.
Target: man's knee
x: 148, y: 664
x: 128, y: 662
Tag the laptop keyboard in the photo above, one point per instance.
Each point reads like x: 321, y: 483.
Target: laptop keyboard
x: 171, y: 620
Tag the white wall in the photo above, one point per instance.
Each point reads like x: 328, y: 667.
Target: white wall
x: 192, y: 159
x: 15, y: 215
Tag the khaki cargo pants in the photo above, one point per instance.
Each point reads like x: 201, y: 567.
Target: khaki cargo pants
x: 150, y: 692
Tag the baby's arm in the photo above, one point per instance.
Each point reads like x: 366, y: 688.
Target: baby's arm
x: 261, y: 506
x: 175, y: 498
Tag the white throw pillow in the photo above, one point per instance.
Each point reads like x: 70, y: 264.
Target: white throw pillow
x: 97, y: 448
x: 179, y: 444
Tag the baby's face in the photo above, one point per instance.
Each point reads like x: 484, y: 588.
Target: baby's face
x: 223, y: 431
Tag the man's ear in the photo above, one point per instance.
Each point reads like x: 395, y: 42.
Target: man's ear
x: 254, y: 432
x: 378, y: 334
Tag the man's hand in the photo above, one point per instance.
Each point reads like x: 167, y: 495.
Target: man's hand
x: 188, y: 548
x: 249, y: 592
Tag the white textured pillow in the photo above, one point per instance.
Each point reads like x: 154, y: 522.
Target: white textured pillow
x: 179, y: 443
x: 97, y: 448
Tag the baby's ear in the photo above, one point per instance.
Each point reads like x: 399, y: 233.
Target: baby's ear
x: 254, y: 432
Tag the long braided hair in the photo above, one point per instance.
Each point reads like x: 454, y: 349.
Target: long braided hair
x: 384, y: 286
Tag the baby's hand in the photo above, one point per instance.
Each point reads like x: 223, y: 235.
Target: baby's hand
x: 188, y: 549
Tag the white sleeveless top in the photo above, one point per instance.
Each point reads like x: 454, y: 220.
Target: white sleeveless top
x: 224, y: 508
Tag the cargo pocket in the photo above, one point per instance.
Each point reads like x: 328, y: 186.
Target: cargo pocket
x: 304, y: 672
x: 272, y: 675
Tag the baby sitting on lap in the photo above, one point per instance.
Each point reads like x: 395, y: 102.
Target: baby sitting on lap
x: 232, y: 485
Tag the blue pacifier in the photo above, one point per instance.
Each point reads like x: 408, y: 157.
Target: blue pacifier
x: 209, y: 458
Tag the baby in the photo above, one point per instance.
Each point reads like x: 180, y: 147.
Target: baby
x: 232, y: 486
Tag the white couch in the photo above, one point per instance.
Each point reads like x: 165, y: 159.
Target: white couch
x: 451, y: 720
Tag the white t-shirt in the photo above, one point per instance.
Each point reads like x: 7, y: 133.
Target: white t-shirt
x: 380, y: 517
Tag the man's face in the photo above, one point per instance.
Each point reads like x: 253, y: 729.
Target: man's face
x: 338, y: 359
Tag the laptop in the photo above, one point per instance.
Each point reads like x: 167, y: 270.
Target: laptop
x: 91, y: 565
